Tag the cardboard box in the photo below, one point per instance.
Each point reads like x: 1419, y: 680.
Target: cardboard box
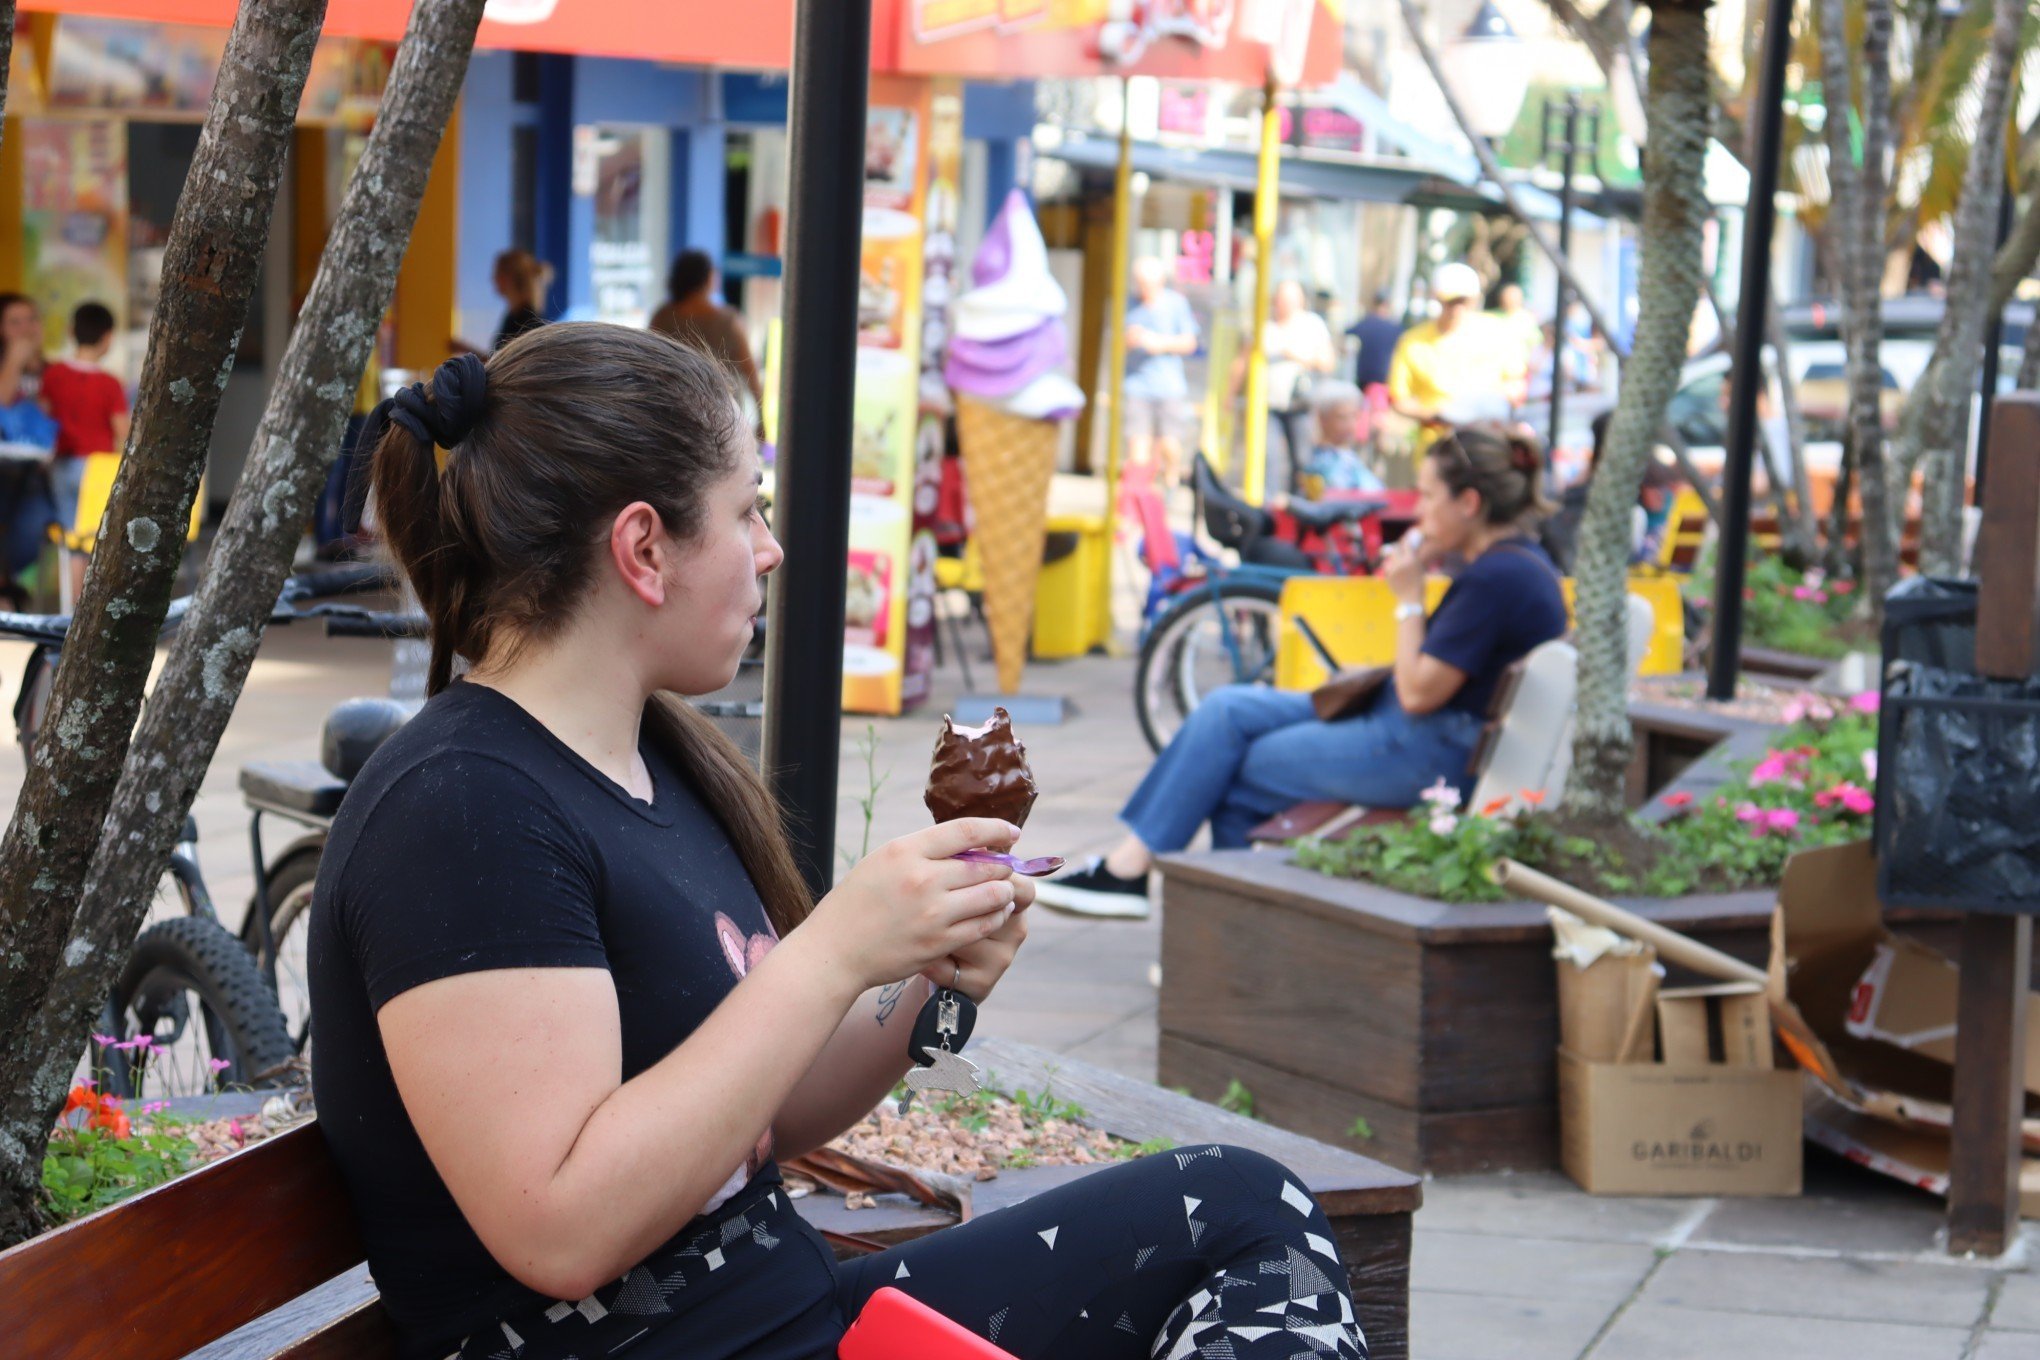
x: 1658, y: 1129
x: 1729, y: 1023
x: 1906, y: 997
x: 1607, y: 991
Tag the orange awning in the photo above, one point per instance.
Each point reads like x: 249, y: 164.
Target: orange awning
x: 756, y: 34
x: 975, y: 39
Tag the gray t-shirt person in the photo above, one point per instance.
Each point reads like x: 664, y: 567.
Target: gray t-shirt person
x: 1159, y: 377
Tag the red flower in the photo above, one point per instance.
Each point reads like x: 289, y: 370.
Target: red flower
x: 1495, y: 806
x: 1681, y: 799
x: 1534, y: 797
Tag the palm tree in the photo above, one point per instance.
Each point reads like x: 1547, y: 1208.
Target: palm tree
x: 1680, y: 112
x: 1935, y: 424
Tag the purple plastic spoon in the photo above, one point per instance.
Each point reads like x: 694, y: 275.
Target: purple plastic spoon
x: 1032, y: 868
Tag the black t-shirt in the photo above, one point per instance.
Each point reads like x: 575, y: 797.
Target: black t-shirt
x: 1504, y: 603
x: 476, y: 840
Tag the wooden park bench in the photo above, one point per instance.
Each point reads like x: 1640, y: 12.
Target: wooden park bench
x: 255, y: 1256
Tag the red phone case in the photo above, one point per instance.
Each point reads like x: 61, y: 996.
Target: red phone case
x: 896, y: 1326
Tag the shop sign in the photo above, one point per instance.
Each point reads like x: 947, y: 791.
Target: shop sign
x: 1230, y: 40
x: 109, y: 65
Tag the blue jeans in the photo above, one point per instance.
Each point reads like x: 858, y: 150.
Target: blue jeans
x: 1247, y: 752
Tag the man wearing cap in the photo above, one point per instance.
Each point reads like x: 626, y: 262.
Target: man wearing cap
x: 1461, y: 366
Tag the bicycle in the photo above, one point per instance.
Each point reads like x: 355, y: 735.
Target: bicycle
x: 1207, y: 623
x: 188, y: 985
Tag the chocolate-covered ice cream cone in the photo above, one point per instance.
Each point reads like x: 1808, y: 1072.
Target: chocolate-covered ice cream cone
x: 1008, y: 462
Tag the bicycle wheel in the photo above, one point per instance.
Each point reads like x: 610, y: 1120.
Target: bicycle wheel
x: 289, y: 890
x: 1224, y: 635
x: 192, y: 988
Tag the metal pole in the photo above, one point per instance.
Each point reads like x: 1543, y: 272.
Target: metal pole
x: 1993, y: 342
x: 1570, y: 115
x: 1115, y: 321
x: 804, y: 647
x: 1265, y: 190
x: 1748, y: 377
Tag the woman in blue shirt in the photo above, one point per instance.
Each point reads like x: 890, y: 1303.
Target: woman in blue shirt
x: 1248, y: 751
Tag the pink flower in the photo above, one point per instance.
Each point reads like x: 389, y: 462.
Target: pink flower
x: 1681, y: 799
x: 1441, y: 795
x: 218, y: 1065
x: 1870, y: 766
x: 1806, y: 593
x: 1850, y: 797
x: 1444, y: 824
x: 1781, y: 819
x: 141, y: 1042
x: 1801, y: 707
x: 1751, y: 814
x: 156, y: 1107
x: 234, y: 1130
x: 105, y: 1041
x: 1866, y: 702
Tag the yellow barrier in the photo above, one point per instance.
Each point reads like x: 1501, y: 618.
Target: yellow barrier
x: 1355, y: 618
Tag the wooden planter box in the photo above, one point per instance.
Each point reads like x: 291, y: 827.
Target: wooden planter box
x: 1671, y: 738
x: 1334, y: 1001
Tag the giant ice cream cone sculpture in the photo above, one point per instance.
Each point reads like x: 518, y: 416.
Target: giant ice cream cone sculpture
x: 1011, y: 397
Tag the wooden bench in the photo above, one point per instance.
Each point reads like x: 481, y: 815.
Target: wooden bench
x: 255, y: 1257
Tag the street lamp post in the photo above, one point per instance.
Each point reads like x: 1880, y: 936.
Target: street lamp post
x: 1568, y: 118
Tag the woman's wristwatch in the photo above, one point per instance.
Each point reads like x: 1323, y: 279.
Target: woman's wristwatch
x: 1409, y: 609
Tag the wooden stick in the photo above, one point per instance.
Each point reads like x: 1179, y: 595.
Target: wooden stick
x: 1670, y: 944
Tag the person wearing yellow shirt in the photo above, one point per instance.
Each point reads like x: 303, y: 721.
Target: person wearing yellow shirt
x: 1461, y: 366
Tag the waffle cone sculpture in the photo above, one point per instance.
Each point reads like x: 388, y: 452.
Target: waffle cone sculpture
x: 1008, y: 463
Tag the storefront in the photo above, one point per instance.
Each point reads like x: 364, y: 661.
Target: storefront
x: 103, y: 120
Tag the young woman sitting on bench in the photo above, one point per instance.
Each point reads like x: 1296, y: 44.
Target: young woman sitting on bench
x: 1247, y: 751
x: 572, y: 993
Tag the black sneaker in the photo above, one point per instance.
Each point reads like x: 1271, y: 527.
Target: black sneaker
x: 1095, y: 891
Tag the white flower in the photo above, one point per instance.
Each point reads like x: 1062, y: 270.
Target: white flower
x: 1442, y: 795
x: 1444, y: 824
x: 1870, y: 764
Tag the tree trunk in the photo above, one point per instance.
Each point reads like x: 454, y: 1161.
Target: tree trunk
x: 1801, y: 530
x: 1675, y: 212
x: 1935, y: 427
x: 1856, y: 215
x: 209, y: 270
x: 300, y: 431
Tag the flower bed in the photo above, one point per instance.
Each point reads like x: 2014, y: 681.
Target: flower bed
x: 1814, y: 786
x: 1806, y: 612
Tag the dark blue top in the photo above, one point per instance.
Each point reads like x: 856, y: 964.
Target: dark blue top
x: 1377, y: 336
x: 1506, y: 602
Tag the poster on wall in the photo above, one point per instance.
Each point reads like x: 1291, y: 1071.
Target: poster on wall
x: 886, y: 409
x: 74, y: 219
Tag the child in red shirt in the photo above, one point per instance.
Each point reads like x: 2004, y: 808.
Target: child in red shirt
x: 89, y: 405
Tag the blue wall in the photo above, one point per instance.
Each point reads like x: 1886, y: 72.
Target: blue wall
x: 574, y: 91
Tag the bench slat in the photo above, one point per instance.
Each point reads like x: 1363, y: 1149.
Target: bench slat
x: 161, y: 1274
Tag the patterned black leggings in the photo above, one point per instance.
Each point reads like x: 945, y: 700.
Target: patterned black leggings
x: 1215, y: 1253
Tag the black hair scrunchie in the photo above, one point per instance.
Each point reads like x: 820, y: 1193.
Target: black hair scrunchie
x: 446, y: 417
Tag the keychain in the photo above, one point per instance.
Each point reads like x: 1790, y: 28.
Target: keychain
x: 940, y: 1030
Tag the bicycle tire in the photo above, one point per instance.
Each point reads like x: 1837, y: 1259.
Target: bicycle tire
x: 1162, y: 695
x: 172, y: 964
x: 287, y: 888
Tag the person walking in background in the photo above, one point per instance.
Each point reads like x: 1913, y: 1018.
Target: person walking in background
x: 1461, y: 366
x: 1516, y: 321
x: 1299, y: 346
x: 692, y: 316
x: 91, y: 410
x: 521, y: 281
x: 1160, y: 331
x: 1377, y: 333
x: 21, y: 349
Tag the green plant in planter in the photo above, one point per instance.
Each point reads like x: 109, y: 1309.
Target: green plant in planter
x: 1793, y: 611
x: 1814, y: 788
x: 103, y: 1157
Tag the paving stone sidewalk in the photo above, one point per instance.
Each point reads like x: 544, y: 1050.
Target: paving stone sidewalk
x: 1519, y: 1267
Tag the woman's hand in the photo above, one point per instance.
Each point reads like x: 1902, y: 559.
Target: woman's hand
x: 985, y: 962
x: 1403, y: 570
x: 908, y: 905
